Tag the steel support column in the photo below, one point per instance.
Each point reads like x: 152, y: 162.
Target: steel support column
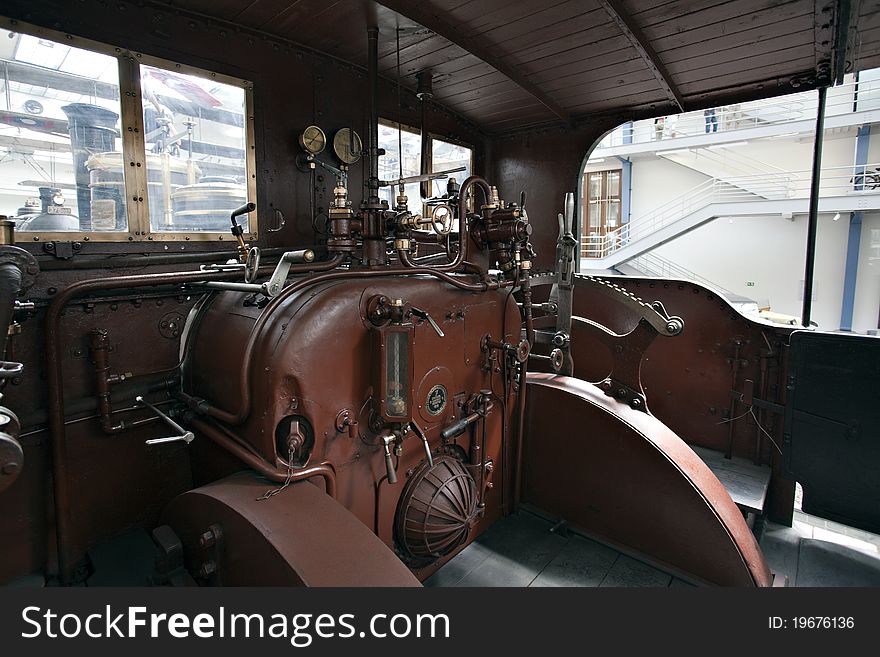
x: 851, y: 270
x: 813, y: 223
x: 625, y: 189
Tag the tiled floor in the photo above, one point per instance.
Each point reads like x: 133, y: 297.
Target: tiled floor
x: 522, y: 551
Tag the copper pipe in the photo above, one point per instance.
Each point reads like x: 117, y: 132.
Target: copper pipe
x: 55, y: 377
x: 526, y: 288
x: 463, y: 232
x: 100, y: 343
x: 202, y: 407
x: 324, y: 470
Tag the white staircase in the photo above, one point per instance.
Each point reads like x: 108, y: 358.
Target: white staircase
x: 729, y: 164
x: 651, y: 264
x: 734, y: 196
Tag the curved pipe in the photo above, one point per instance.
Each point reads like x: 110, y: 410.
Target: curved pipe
x: 55, y: 376
x: 201, y: 406
x: 463, y: 232
x: 10, y: 285
x: 324, y: 470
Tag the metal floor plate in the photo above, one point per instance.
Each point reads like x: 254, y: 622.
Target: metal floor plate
x: 746, y: 483
x: 520, y: 550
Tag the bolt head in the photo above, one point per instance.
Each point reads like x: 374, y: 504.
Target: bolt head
x: 207, y: 569
x: 207, y: 539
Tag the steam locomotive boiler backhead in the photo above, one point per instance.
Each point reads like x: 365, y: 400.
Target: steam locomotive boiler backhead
x: 372, y: 378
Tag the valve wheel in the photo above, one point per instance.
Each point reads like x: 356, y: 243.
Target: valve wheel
x: 441, y: 219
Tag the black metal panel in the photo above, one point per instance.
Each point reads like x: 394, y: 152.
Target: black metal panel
x: 832, y: 426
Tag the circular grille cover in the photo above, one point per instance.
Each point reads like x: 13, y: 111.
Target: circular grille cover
x: 437, y: 509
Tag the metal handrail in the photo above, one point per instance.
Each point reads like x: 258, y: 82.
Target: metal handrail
x: 843, y: 99
x: 651, y: 264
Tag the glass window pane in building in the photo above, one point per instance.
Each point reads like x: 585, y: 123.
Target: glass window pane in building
x: 595, y: 219
x: 613, y: 188
x: 595, y: 185
x: 446, y: 156
x: 60, y: 146
x: 406, y: 146
x: 196, y: 141
x: 612, y: 214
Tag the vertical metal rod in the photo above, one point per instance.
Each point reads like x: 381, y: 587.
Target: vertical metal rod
x: 373, y: 75
x: 813, y: 223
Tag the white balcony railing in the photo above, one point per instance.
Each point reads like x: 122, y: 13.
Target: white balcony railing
x: 846, y: 98
x: 835, y: 181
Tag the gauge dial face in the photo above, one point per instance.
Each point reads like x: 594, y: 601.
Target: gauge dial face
x: 347, y: 145
x: 313, y: 140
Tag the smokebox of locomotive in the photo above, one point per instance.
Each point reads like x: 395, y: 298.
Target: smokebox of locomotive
x: 389, y: 380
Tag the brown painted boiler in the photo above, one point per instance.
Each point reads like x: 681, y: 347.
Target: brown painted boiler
x: 314, y: 390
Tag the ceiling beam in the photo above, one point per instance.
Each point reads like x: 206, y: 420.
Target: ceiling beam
x: 424, y: 16
x: 640, y: 42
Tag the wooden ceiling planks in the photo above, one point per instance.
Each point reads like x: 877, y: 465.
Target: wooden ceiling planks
x: 567, y: 52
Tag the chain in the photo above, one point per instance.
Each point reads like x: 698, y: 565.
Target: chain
x: 274, y: 491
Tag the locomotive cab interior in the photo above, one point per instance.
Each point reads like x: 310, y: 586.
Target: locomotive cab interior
x: 253, y: 341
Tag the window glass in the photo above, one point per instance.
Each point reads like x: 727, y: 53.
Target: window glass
x: 613, y: 214
x: 445, y: 156
x: 595, y: 185
x: 389, y: 164
x: 613, y: 184
x: 196, y: 140
x: 60, y: 146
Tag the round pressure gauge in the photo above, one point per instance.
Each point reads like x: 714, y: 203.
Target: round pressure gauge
x: 347, y: 145
x: 313, y: 140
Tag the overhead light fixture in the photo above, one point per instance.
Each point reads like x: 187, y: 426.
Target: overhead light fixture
x: 730, y: 145
x: 673, y: 151
x: 835, y: 217
x: 597, y: 160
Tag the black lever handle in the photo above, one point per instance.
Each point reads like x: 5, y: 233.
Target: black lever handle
x: 244, y: 209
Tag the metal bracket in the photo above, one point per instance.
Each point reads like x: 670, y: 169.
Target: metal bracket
x: 282, y: 269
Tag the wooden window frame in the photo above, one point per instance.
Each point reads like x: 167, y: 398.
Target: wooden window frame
x: 133, y: 144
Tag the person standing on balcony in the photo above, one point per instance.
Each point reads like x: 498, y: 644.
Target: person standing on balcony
x: 711, y: 120
x: 658, y: 127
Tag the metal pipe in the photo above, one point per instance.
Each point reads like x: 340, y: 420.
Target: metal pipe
x: 520, y: 433
x: 10, y: 285
x: 55, y: 378
x: 813, y: 223
x: 373, y: 79
x: 463, y: 231
x: 100, y: 343
x: 424, y: 93
x: 133, y: 259
x: 201, y: 406
x: 324, y: 470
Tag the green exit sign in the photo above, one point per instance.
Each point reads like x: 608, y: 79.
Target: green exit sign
x: 750, y: 283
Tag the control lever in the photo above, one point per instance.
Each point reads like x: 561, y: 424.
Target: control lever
x: 421, y: 434
x: 418, y: 312
x: 238, y: 231
x: 282, y: 269
x: 185, y: 436
x: 388, y: 440
x: 457, y: 428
